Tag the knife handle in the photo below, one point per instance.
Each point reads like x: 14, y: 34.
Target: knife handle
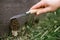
x: 31, y: 11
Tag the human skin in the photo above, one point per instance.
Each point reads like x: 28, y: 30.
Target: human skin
x: 45, y: 6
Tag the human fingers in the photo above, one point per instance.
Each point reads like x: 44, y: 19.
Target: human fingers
x: 38, y: 5
x: 44, y: 10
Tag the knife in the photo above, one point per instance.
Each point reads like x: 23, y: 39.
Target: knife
x: 14, y: 24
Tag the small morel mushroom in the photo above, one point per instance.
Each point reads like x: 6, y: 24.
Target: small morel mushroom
x: 14, y: 26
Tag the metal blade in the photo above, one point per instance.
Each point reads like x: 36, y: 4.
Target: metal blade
x: 20, y: 15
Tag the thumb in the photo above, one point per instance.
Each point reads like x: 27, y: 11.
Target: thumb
x: 38, y: 5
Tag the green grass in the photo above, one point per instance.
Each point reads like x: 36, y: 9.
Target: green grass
x: 46, y: 27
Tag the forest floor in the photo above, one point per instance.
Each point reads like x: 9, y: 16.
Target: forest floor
x: 46, y: 27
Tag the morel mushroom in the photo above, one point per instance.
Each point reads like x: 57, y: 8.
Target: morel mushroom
x: 14, y: 26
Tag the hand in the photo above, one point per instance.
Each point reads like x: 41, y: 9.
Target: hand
x: 45, y: 6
